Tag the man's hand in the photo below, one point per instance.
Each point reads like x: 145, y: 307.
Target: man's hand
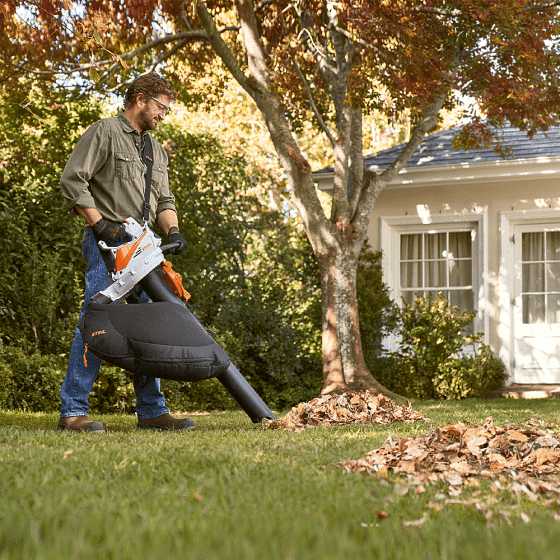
x: 175, y: 237
x: 109, y: 232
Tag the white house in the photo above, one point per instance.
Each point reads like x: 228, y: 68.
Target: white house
x: 486, y: 232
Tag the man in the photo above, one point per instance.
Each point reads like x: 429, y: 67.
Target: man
x: 104, y: 182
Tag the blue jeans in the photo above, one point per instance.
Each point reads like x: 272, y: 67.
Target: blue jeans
x: 81, y: 374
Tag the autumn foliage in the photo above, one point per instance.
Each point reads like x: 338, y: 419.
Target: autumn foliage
x: 310, y: 61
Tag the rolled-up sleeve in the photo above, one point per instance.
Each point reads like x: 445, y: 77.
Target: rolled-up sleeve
x: 88, y: 156
x: 166, y: 200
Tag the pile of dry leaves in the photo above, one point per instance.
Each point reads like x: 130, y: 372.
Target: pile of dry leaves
x: 347, y: 408
x: 530, y: 458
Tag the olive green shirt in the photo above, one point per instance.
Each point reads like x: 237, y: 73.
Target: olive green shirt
x: 105, y: 171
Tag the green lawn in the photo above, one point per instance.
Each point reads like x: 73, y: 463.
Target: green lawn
x: 229, y: 490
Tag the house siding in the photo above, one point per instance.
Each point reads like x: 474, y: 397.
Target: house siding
x: 503, y: 196
x: 491, y: 198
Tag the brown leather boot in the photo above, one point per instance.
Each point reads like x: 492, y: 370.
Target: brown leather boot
x: 80, y: 424
x: 166, y: 422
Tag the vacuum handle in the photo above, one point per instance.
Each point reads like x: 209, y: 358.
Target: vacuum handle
x: 166, y: 249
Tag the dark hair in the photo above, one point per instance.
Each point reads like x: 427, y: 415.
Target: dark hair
x: 151, y: 85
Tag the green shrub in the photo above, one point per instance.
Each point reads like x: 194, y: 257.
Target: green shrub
x: 267, y: 352
x: 436, y: 359
x: 467, y: 377
x: 40, y: 262
x: 30, y: 382
x: 378, y: 313
x: 205, y: 395
x: 112, y: 391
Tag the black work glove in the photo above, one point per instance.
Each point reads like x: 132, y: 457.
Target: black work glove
x: 109, y: 232
x: 175, y: 237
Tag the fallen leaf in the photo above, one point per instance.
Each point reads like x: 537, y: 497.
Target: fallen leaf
x: 544, y: 455
x: 415, y: 522
x: 514, y: 435
x: 453, y: 478
x: 456, y: 454
x: 475, y: 445
x: 348, y: 408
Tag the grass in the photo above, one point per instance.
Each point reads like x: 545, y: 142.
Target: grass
x: 231, y: 491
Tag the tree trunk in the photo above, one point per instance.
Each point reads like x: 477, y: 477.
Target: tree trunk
x: 344, y: 367
x: 337, y: 242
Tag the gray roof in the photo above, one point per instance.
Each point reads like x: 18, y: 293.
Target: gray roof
x: 437, y: 149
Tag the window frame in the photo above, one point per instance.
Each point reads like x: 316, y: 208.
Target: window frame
x: 508, y: 222
x: 391, y: 228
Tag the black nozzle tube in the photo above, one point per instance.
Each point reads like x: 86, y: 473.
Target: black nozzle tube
x: 158, y: 289
x: 237, y: 386
x: 244, y: 394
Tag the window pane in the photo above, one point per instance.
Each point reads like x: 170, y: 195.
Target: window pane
x: 532, y: 248
x: 533, y: 308
x: 553, y: 277
x: 533, y: 277
x: 460, y: 273
x: 411, y: 275
x: 408, y: 297
x: 411, y: 247
x: 435, y: 245
x: 437, y: 261
x: 463, y: 299
x: 460, y: 245
x: 553, y: 246
x: 435, y: 274
x: 435, y: 293
x: 553, y: 311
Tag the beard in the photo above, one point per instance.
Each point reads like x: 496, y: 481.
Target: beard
x: 147, y: 120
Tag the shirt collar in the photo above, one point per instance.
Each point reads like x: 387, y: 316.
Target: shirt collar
x: 127, y: 125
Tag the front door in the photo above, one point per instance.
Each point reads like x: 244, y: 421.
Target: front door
x: 536, y: 304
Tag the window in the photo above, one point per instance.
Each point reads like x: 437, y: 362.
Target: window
x: 438, y: 261
x: 540, y: 276
x: 443, y: 253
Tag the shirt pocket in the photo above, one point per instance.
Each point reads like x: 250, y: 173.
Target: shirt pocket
x: 158, y: 172
x: 127, y: 165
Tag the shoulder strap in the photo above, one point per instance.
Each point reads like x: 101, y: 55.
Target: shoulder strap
x: 148, y: 159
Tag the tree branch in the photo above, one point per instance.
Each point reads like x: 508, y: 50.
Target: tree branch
x: 543, y: 6
x: 356, y: 164
x: 170, y: 53
x: 256, y: 56
x: 454, y: 13
x: 375, y: 182
x: 222, y: 50
x: 322, y: 124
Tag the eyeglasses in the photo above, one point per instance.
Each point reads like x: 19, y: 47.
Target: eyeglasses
x: 163, y: 107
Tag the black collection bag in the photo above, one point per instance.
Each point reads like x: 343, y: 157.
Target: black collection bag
x: 159, y: 339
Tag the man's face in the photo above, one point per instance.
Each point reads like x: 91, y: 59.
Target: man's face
x: 153, y: 110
